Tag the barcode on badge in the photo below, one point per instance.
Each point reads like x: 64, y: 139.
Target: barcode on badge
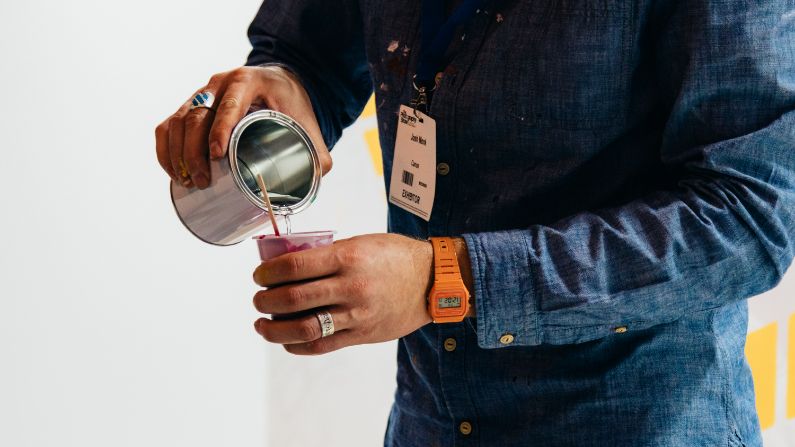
x: 408, y: 178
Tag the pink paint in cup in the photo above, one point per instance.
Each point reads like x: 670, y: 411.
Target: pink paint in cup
x: 271, y: 246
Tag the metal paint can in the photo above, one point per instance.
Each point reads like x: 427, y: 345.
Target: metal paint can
x: 231, y: 209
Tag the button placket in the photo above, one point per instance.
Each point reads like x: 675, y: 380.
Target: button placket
x: 455, y: 385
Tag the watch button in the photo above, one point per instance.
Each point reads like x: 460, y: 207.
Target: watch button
x: 450, y: 345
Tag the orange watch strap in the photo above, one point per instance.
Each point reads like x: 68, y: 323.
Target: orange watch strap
x: 445, y: 261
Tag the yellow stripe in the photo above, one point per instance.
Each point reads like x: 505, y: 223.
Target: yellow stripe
x: 791, y: 369
x: 369, y: 109
x: 374, y: 147
x: 760, y: 349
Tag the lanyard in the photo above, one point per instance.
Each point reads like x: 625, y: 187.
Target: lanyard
x: 437, y: 34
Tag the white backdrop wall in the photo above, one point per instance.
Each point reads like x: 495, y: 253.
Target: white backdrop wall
x: 116, y: 326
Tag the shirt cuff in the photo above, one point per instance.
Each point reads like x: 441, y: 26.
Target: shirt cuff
x: 506, y: 309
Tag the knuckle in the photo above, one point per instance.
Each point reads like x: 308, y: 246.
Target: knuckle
x: 175, y: 120
x: 309, y: 330
x: 216, y: 79
x: 359, y: 287
x: 240, y: 74
x: 194, y: 120
x: 351, y: 255
x: 229, y: 103
x: 295, y: 265
x: 294, y: 296
x: 360, y: 314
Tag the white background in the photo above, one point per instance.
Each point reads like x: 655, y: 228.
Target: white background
x: 117, y: 328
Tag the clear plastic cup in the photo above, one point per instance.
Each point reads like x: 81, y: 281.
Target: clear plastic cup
x: 271, y: 245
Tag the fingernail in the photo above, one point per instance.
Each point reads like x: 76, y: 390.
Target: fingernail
x: 200, y: 180
x: 186, y: 183
x: 256, y: 327
x: 215, y: 150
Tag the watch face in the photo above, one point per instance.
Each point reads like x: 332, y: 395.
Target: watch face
x: 448, y: 302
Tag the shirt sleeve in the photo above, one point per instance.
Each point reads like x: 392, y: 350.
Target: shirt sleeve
x: 723, y: 233
x: 322, y: 43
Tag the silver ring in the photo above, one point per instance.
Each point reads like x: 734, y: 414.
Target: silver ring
x: 202, y: 100
x: 326, y: 323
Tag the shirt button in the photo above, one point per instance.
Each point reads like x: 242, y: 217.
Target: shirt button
x: 506, y: 339
x: 450, y: 344
x: 465, y: 428
x: 620, y: 329
x: 443, y: 168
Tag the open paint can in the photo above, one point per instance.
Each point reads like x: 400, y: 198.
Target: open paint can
x: 231, y: 209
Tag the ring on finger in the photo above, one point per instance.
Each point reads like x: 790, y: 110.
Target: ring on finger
x: 326, y: 323
x: 202, y: 100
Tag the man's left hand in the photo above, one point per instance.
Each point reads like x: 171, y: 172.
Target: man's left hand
x: 374, y: 287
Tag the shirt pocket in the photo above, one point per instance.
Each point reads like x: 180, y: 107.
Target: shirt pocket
x: 572, y: 63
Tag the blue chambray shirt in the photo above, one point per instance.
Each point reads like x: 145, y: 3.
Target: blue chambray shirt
x: 623, y: 173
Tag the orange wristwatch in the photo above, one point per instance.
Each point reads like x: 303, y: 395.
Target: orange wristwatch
x: 448, y: 301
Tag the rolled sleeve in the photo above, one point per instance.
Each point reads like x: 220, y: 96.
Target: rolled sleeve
x: 720, y: 231
x: 503, y: 289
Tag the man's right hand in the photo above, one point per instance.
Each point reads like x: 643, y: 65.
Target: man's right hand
x: 187, y: 139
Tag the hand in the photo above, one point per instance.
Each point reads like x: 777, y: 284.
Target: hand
x: 187, y: 138
x: 374, y: 286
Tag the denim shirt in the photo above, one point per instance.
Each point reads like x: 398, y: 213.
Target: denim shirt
x: 623, y: 173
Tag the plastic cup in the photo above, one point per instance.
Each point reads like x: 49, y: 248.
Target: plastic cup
x: 271, y: 245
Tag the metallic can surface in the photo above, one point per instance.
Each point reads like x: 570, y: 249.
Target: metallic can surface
x: 230, y: 209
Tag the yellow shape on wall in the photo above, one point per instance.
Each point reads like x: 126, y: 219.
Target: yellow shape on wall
x: 760, y: 348
x: 374, y: 147
x: 791, y: 369
x: 369, y: 109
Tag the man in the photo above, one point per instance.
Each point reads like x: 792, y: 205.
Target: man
x: 618, y: 177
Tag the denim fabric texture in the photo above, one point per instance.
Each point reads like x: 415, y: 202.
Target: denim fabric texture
x: 623, y: 173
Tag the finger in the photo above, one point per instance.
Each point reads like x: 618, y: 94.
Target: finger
x: 297, y: 266
x: 298, y: 297
x: 299, y: 330
x: 176, y: 137
x: 197, y: 129
x: 161, y: 145
x: 232, y: 107
x: 325, y: 345
x: 195, y: 150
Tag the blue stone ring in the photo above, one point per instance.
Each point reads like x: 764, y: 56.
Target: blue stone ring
x: 203, y: 100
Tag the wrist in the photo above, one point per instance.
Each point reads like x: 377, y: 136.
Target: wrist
x: 462, y: 253
x: 450, y: 280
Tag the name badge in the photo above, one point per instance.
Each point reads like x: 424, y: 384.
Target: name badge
x: 413, y: 183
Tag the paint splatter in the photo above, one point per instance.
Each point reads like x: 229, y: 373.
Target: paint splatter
x: 406, y: 50
x: 500, y: 18
x: 393, y: 46
x: 383, y: 87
